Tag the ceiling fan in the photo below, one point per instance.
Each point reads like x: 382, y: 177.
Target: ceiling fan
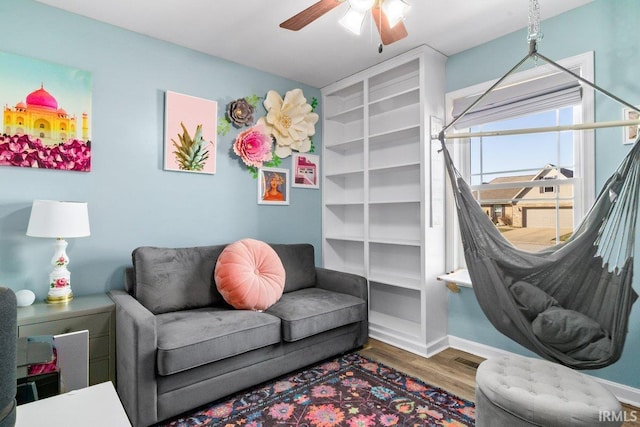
x: 387, y: 14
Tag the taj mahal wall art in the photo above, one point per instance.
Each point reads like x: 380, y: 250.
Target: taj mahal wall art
x: 46, y: 114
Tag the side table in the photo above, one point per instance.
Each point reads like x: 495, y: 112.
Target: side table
x: 95, y: 313
x: 95, y: 406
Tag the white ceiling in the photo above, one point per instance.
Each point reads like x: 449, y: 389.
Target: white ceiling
x: 247, y: 31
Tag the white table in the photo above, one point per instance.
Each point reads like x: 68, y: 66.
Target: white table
x: 95, y: 406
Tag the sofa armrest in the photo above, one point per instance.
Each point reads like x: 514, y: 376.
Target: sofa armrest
x: 339, y: 281
x: 136, y: 343
x: 351, y: 284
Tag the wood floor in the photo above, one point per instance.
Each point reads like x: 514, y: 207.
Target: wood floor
x: 452, y: 370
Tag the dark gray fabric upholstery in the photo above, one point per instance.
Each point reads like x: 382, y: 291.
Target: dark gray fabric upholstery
x: 350, y: 284
x: 8, y: 321
x: 566, y: 330
x: 136, y: 344
x: 240, y: 361
x: 170, y: 279
x: 532, y: 300
x: 299, y: 263
x: 186, y: 379
x: 310, y: 311
x: 210, y: 388
x: 594, y: 350
x: 190, y: 338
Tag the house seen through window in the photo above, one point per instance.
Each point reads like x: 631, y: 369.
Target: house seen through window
x: 525, y: 183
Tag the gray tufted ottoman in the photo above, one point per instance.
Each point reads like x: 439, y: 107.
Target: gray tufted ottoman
x: 521, y: 391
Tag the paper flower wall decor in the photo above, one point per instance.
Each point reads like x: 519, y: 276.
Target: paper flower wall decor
x: 254, y: 146
x: 240, y: 113
x: 291, y: 121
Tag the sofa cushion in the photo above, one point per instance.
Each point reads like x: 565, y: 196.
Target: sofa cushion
x: 191, y: 338
x: 168, y: 279
x: 310, y: 311
x: 249, y: 275
x: 299, y: 263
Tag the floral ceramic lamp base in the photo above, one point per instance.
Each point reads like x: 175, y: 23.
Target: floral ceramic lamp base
x: 60, y: 277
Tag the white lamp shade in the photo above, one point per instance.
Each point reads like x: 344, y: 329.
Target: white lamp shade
x: 352, y: 20
x: 55, y: 219
x: 361, y: 5
x: 396, y: 10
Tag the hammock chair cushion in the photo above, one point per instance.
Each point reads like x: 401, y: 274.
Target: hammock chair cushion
x: 532, y: 300
x: 566, y: 330
x: 595, y: 350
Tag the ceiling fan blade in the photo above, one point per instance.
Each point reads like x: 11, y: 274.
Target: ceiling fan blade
x: 310, y: 14
x: 388, y: 34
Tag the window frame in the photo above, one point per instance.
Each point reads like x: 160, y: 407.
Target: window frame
x: 584, y: 147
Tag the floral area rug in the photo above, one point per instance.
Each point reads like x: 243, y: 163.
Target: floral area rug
x: 350, y: 391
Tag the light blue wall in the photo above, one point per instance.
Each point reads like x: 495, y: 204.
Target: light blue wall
x: 609, y: 28
x: 132, y: 200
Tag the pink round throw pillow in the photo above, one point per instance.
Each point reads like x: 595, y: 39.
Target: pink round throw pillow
x: 249, y: 275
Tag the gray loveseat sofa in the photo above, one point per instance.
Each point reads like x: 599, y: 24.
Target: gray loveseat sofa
x: 179, y: 345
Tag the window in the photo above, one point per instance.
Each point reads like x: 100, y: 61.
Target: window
x: 512, y: 176
x: 550, y: 189
x: 535, y: 187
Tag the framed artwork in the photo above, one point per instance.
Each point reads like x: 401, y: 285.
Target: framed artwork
x: 46, y: 120
x: 190, y: 133
x: 305, y: 169
x: 630, y: 133
x: 273, y: 186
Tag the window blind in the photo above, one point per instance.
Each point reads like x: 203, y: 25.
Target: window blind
x: 548, y: 92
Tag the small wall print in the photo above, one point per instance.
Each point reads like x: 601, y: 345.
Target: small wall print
x: 190, y: 133
x: 630, y: 133
x: 306, y: 170
x: 46, y: 114
x: 273, y: 186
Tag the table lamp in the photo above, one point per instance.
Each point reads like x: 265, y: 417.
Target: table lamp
x: 58, y: 220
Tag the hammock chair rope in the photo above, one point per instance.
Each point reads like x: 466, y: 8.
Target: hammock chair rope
x: 569, y: 303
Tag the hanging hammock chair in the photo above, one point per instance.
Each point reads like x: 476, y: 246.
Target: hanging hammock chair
x: 569, y: 303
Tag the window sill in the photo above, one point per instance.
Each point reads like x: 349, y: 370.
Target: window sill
x: 455, y: 279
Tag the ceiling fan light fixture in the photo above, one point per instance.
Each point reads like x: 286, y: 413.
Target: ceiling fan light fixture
x: 352, y: 20
x: 361, y: 5
x: 396, y: 10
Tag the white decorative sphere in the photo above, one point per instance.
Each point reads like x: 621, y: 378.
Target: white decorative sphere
x: 25, y: 297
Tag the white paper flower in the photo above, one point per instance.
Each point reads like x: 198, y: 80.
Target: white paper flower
x: 290, y: 121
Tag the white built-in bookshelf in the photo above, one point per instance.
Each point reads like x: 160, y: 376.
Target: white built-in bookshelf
x: 383, y: 200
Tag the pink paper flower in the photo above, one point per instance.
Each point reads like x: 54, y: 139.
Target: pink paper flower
x: 254, y: 146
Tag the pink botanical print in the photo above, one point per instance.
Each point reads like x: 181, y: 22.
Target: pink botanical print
x: 325, y: 415
x: 323, y: 391
x: 350, y: 391
x: 281, y: 411
x: 362, y: 421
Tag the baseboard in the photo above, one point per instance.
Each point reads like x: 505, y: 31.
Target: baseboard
x: 624, y: 393
x: 436, y: 346
x: 425, y: 350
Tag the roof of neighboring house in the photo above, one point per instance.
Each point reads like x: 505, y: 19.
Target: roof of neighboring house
x: 505, y: 195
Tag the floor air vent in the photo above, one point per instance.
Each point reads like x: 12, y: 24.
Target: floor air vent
x: 467, y: 362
